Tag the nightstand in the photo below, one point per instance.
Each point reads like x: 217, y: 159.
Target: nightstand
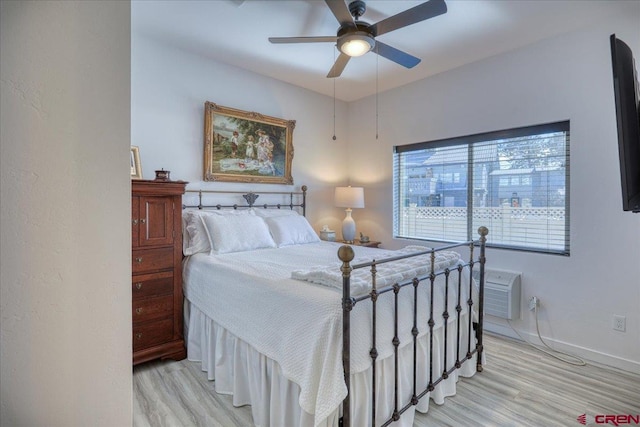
x: 369, y: 244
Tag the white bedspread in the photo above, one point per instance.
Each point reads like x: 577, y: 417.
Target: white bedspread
x: 297, y: 323
x: 386, y: 274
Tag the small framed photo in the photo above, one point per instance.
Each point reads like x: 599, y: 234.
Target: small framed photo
x: 136, y: 168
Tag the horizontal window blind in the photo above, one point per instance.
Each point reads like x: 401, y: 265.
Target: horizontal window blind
x: 515, y: 182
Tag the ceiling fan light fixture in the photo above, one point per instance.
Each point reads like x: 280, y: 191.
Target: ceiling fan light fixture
x: 356, y: 37
x: 356, y: 44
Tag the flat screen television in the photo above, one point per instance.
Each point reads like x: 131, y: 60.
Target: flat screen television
x: 627, y: 95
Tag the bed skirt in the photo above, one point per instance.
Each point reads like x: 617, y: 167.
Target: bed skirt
x: 254, y: 379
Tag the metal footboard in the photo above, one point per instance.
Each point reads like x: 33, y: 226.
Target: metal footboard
x: 463, y: 351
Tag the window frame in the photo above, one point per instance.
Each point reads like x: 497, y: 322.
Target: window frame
x: 469, y: 141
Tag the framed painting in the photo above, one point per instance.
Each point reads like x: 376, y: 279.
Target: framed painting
x: 242, y: 146
x: 136, y: 167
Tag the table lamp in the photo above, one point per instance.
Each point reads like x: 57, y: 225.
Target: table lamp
x: 349, y: 197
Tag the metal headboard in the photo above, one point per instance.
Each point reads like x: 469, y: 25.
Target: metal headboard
x: 297, y: 199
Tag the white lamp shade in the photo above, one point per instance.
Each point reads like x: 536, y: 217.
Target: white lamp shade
x: 349, y: 197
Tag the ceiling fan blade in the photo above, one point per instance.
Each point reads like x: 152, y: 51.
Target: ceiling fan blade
x: 395, y: 55
x: 338, y: 67
x: 340, y: 11
x: 319, y: 39
x: 418, y: 13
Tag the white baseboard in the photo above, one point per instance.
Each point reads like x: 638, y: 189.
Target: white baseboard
x: 587, y: 354
x: 499, y: 329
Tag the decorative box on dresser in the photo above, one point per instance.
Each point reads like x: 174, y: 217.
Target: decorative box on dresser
x: 156, y: 241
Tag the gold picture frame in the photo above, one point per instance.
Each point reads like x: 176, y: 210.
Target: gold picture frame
x: 136, y: 167
x: 241, y: 146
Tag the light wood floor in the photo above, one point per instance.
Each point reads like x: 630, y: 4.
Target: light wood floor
x: 518, y: 387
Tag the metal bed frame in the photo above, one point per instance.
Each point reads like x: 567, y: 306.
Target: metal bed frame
x: 298, y: 199
x: 346, y: 254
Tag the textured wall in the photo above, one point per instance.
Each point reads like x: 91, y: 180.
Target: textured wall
x: 65, y: 352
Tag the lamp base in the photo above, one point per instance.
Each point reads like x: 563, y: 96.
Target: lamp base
x: 348, y: 227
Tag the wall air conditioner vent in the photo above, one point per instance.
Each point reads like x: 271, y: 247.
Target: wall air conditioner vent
x: 501, y: 293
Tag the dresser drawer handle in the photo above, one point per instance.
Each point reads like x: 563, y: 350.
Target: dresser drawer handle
x: 139, y: 259
x: 139, y: 336
x: 139, y: 310
x: 143, y: 221
x: 135, y: 222
x: 139, y: 285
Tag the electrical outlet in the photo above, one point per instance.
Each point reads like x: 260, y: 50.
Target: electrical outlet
x: 619, y: 323
x: 534, y: 303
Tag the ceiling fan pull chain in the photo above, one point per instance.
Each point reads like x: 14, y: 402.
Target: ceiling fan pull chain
x: 334, y: 100
x: 377, y: 74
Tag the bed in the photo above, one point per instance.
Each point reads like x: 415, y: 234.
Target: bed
x: 302, y: 329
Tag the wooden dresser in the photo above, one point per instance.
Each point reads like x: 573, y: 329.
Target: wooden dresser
x: 156, y: 241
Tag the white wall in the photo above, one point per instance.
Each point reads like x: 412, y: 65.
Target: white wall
x: 169, y: 89
x: 567, y: 77
x: 65, y: 346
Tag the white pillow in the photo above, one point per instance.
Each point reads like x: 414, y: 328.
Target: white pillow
x: 195, y: 236
x: 236, y: 233
x: 291, y: 230
x: 270, y: 213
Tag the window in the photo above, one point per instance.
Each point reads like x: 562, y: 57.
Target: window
x: 515, y: 182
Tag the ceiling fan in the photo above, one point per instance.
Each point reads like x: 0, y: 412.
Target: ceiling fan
x: 356, y: 37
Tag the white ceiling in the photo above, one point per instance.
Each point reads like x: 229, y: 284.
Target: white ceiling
x: 236, y: 32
